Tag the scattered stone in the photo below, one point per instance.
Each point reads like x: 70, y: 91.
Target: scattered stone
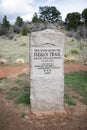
x: 69, y: 59
x: 20, y: 61
x: 26, y: 71
x: 3, y: 61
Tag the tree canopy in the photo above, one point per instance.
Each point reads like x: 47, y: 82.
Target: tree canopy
x: 19, y: 21
x: 73, y: 20
x: 84, y: 15
x: 35, y: 18
x: 49, y: 13
x: 5, y: 23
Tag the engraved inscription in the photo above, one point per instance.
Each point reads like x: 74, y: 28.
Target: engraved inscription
x: 46, y: 61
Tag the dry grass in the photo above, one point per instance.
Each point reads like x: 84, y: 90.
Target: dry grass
x: 13, y: 49
x: 18, y: 47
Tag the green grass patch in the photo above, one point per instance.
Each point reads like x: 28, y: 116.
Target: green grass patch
x: 19, y: 81
x: 68, y: 100
x: 23, y: 98
x: 15, y: 89
x: 20, y: 95
x: 78, y: 81
x: 12, y: 95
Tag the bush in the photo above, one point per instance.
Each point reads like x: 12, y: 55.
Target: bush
x: 65, y: 54
x: 70, y: 33
x: 24, y: 30
x: 75, y: 51
x: 17, y: 29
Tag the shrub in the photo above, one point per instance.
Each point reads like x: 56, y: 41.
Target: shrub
x: 69, y: 101
x: 24, y: 30
x: 65, y: 54
x: 17, y: 29
x: 70, y: 33
x: 75, y: 51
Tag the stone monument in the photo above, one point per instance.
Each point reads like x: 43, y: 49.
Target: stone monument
x: 47, y: 71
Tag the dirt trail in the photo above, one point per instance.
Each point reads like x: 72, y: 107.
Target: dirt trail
x: 13, y: 70
x: 74, y: 67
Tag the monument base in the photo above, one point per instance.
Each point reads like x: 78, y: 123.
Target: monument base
x: 49, y: 113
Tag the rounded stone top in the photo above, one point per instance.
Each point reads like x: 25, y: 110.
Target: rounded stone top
x: 48, y: 37
x: 48, y: 31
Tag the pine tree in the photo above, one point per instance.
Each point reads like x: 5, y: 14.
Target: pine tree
x: 5, y: 23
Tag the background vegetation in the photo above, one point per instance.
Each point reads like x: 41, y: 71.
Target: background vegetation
x: 74, y: 27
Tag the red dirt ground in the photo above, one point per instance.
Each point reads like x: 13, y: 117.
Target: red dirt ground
x: 13, y: 70
x: 74, y: 119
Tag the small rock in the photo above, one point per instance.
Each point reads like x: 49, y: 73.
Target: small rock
x: 26, y: 71
x: 19, y: 61
x: 3, y: 61
x: 69, y: 59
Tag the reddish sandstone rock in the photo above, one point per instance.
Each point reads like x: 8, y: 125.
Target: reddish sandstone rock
x: 2, y: 75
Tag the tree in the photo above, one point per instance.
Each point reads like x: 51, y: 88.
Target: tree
x: 49, y: 14
x: 19, y: 21
x: 5, y: 23
x: 35, y: 18
x: 5, y: 26
x: 84, y: 15
x: 73, y: 20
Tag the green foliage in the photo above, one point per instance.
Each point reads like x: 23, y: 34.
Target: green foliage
x: 23, y: 98
x: 49, y: 14
x: 15, y: 89
x: 35, y: 18
x: 75, y: 51
x: 20, y: 93
x: 5, y: 23
x: 19, y: 21
x: 24, y: 30
x: 12, y: 94
x: 69, y: 101
x: 78, y: 81
x: 5, y: 26
x: 73, y: 20
x: 65, y: 54
x: 84, y: 15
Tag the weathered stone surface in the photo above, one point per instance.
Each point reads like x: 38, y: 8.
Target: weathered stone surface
x: 47, y: 71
